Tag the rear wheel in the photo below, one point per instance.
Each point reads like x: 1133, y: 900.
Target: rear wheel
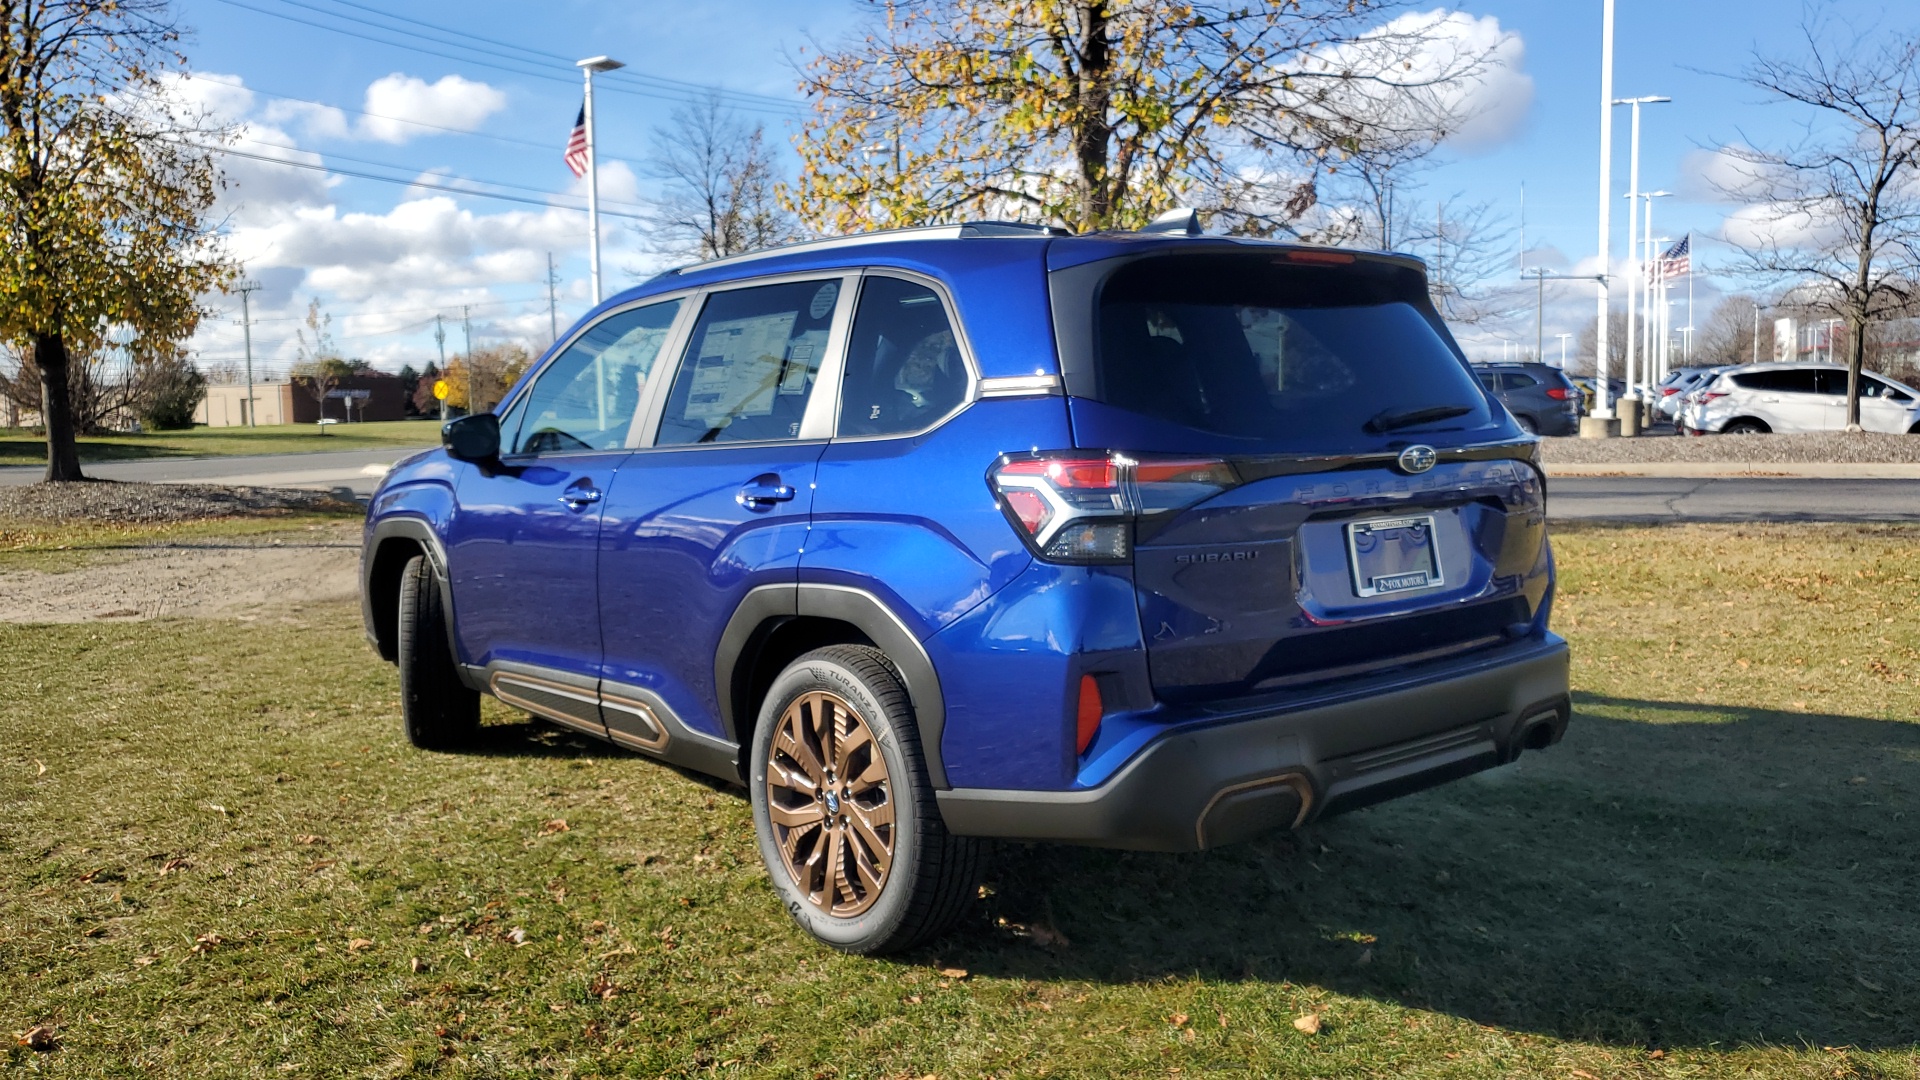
x: 1745, y: 426
x: 438, y: 711
x: 1526, y: 424
x: 847, y: 823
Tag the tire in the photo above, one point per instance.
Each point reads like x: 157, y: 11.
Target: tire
x: 1745, y: 426
x: 929, y: 875
x: 437, y: 710
x: 1526, y: 424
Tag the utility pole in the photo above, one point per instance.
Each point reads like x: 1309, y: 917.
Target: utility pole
x: 587, y: 68
x: 1539, y: 275
x: 246, y: 290
x: 1601, y: 407
x: 466, y: 321
x: 553, y: 310
x: 440, y: 339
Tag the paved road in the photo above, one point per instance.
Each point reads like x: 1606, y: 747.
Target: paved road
x: 356, y: 470
x: 1573, y: 498
x: 1651, y: 499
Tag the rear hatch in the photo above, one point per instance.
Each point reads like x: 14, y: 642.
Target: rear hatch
x: 1317, y: 485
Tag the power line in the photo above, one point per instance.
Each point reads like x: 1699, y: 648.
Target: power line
x: 525, y: 67
x: 414, y: 169
x: 629, y: 73
x: 421, y: 183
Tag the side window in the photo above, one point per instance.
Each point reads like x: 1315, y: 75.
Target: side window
x: 750, y: 365
x: 1490, y: 380
x: 1518, y: 380
x: 1833, y: 383
x: 1796, y: 381
x: 903, y: 365
x: 1870, y: 387
x: 588, y: 398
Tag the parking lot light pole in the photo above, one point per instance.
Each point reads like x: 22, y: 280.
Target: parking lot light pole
x: 1634, y: 286
x: 246, y: 290
x: 1602, y: 410
x: 587, y: 67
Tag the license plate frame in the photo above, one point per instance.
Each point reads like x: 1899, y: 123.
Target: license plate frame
x: 1413, y: 575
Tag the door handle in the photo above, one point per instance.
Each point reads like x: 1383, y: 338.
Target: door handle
x: 580, y: 495
x: 762, y: 492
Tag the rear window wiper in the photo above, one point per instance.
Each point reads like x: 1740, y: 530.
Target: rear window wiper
x: 1393, y: 419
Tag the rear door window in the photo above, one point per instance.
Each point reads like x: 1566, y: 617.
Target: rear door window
x: 1295, y: 355
x: 1517, y: 380
x: 904, y: 369
x: 750, y: 365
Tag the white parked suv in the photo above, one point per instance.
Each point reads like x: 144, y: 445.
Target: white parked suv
x: 1789, y: 398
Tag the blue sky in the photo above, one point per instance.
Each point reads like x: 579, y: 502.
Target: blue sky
x: 383, y: 258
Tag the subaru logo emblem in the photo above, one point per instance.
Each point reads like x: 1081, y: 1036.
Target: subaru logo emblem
x: 1417, y: 459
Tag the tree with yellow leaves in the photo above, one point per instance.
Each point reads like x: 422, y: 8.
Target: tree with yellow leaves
x: 104, y: 188
x: 1100, y: 114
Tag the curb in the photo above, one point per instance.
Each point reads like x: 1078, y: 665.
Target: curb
x: 1707, y: 470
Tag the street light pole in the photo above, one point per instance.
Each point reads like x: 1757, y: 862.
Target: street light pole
x: 466, y: 321
x: 1634, y: 287
x: 1563, y: 349
x: 1653, y: 260
x: 587, y: 68
x: 1601, y: 408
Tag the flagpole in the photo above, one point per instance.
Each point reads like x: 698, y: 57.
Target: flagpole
x: 1688, y: 358
x: 587, y: 68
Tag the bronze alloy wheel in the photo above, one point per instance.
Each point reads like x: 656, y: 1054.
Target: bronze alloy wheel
x: 831, y: 804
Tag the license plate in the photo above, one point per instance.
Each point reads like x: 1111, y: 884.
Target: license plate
x: 1393, y: 555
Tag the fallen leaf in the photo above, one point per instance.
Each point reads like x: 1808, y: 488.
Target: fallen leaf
x: 320, y: 865
x: 307, y: 838
x: 94, y: 931
x: 39, y: 1038
x: 217, y: 808
x: 174, y: 864
x: 557, y: 825
x: 1658, y: 1054
x: 145, y: 961
x: 1223, y: 1019
x: 1858, y: 780
x: 913, y: 999
x: 1308, y: 1024
x: 359, y: 943
x: 517, y: 936
x: 42, y: 767
x: 417, y: 965
x: 207, y: 942
x: 953, y: 972
x: 1178, y: 1019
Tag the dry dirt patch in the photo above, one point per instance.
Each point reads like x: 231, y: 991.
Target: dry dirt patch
x: 245, y: 577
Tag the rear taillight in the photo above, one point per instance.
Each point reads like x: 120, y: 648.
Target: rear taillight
x: 1079, y: 507
x: 1712, y: 395
x: 1561, y: 393
x: 1670, y: 391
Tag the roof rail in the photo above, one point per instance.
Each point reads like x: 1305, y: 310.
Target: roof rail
x: 961, y: 230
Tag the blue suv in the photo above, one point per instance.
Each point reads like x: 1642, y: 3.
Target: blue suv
x: 1146, y: 540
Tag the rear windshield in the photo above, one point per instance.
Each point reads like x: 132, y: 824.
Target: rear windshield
x: 1299, y: 355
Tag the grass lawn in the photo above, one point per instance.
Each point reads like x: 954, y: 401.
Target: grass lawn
x: 219, y: 859
x: 19, y: 446
x: 56, y: 547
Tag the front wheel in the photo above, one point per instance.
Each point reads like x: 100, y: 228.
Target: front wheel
x: 438, y: 711
x: 845, y: 813
x: 1745, y: 427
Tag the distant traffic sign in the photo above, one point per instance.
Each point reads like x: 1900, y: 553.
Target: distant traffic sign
x: 441, y: 389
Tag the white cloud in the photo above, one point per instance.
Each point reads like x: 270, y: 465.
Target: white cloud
x: 1442, y: 68
x: 314, y: 121
x: 452, y: 102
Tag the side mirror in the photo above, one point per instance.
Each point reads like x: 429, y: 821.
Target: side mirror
x: 473, y: 438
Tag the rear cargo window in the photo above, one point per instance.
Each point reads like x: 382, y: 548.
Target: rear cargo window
x: 1245, y: 346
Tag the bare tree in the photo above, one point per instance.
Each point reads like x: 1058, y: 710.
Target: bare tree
x: 720, y: 187
x: 1838, y: 214
x: 318, y: 368
x: 1582, y: 363
x: 1728, y: 336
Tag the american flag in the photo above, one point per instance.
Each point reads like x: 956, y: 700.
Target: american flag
x: 576, y: 156
x: 1678, y: 260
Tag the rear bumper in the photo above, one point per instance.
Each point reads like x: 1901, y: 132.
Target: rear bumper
x: 1203, y: 787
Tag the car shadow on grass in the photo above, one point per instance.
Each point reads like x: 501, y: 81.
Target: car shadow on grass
x: 1672, y: 874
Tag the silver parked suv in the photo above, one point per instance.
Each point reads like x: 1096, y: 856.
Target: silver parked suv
x: 1791, y: 398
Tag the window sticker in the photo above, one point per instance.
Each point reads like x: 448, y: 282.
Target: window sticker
x: 823, y: 300
x: 739, y: 366
x: 803, y: 359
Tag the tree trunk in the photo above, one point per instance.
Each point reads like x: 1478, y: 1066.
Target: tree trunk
x: 1856, y: 359
x: 56, y: 408
x: 1092, y: 131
